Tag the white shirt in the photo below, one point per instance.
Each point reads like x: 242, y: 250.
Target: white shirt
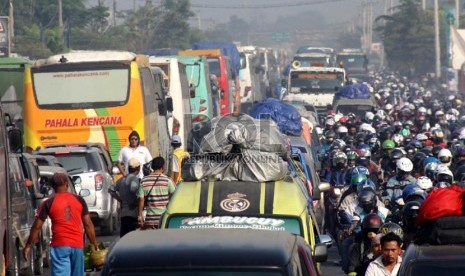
x: 141, y: 153
x: 376, y: 268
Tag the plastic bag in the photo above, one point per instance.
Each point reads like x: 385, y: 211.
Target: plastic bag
x: 95, y: 259
x: 285, y: 115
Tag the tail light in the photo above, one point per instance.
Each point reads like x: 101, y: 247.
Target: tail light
x: 198, y: 119
x: 98, y: 182
x: 202, y: 101
x: 247, y: 90
x: 202, y: 109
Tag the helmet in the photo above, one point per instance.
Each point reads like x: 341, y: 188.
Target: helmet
x: 430, y: 170
x: 430, y: 159
x: 371, y: 222
x: 398, y: 139
x: 396, y: 154
x: 352, y: 155
x: 357, y: 179
x: 342, y: 130
x: 445, y: 157
x: 435, y: 150
x: 412, y: 192
x: 330, y: 121
x: 416, y: 144
x: 460, y: 173
x: 339, y: 158
x: 388, y: 144
x: 443, y: 174
x: 421, y: 137
x: 425, y: 183
x: 364, y: 150
x: 418, y: 159
x: 361, y: 170
x: 460, y: 152
x: 360, y: 138
x: 404, y: 164
x: 330, y: 135
x: 438, y: 134
x: 367, y: 199
x: 410, y: 214
x: 369, y: 116
x: 405, y: 132
x: 390, y: 227
x: 366, y: 184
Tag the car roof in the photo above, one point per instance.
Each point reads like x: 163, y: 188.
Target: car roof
x: 202, y: 247
x: 435, y: 252
x: 69, y: 148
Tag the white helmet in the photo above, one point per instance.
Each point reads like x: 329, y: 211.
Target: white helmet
x: 439, y: 113
x: 422, y: 137
x: 443, y: 173
x: 404, y: 164
x: 398, y: 139
x: 388, y: 107
x: 462, y: 134
x: 337, y: 117
x: 445, y: 157
x: 369, y: 116
x: 342, y: 130
x: 330, y: 121
x: 422, y: 109
x: 425, y: 183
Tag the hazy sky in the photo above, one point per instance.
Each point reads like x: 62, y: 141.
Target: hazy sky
x: 333, y: 10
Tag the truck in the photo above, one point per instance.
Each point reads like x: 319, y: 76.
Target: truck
x: 354, y: 61
x: 314, y: 85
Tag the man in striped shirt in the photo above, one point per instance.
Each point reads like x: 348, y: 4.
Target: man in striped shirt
x: 154, y: 193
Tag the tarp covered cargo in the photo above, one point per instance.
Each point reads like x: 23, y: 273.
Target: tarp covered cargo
x: 354, y: 91
x: 285, y: 115
x: 228, y: 49
x: 239, y: 149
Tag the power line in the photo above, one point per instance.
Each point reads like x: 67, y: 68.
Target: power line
x: 264, y: 6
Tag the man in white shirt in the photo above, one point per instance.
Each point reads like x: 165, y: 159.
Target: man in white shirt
x: 388, y: 263
x: 134, y: 150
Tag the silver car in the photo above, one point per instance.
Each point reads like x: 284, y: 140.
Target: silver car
x: 91, y: 163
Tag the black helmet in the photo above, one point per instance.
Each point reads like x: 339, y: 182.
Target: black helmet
x: 330, y: 135
x: 418, y: 159
x: 391, y: 227
x: 435, y: 151
x: 410, y: 214
x: 372, y: 222
x: 397, y: 154
x: 460, y: 173
x: 367, y: 199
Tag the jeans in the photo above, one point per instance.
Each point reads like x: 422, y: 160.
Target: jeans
x: 67, y: 261
x: 128, y: 224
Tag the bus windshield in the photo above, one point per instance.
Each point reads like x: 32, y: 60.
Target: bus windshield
x: 214, y: 66
x: 302, y: 81
x: 66, y: 89
x: 353, y: 61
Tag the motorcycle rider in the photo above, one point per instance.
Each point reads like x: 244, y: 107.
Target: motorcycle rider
x: 398, y: 182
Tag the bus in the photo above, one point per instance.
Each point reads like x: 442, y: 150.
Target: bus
x: 11, y: 87
x: 92, y: 96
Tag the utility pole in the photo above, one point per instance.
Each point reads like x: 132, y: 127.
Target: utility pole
x: 114, y: 13
x: 134, y: 5
x: 437, y: 48
x: 60, y: 15
x: 423, y: 5
x: 457, y: 13
x: 11, y: 27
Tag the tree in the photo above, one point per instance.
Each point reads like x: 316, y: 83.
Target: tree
x: 408, y: 38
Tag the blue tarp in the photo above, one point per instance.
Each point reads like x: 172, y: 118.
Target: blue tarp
x: 285, y: 115
x: 228, y: 49
x: 354, y: 91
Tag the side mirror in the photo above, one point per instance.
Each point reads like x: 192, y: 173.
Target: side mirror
x: 15, y: 139
x: 326, y: 239
x: 192, y: 92
x: 77, y: 180
x: 115, y: 170
x: 169, y: 104
x: 324, y: 187
x: 84, y: 192
x: 320, y: 253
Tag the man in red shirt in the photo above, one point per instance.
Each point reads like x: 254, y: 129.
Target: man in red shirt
x: 68, y: 213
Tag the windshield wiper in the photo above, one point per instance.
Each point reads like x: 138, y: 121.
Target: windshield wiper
x: 74, y: 170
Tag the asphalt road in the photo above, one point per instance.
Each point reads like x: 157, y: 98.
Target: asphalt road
x: 107, y: 240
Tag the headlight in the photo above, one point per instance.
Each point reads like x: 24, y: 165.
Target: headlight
x: 337, y: 191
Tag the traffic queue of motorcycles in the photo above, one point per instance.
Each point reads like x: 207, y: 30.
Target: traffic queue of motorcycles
x: 382, y: 166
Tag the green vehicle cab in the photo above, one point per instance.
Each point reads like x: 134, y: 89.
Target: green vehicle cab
x: 198, y: 76
x: 276, y: 206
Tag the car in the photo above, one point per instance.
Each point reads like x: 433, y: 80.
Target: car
x: 357, y: 106
x: 426, y: 260
x: 211, y: 252
x: 92, y: 163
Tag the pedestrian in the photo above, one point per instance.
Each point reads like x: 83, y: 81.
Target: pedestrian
x: 68, y: 213
x: 154, y: 194
x: 389, y: 262
x: 133, y: 150
x: 178, y: 157
x: 125, y: 192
